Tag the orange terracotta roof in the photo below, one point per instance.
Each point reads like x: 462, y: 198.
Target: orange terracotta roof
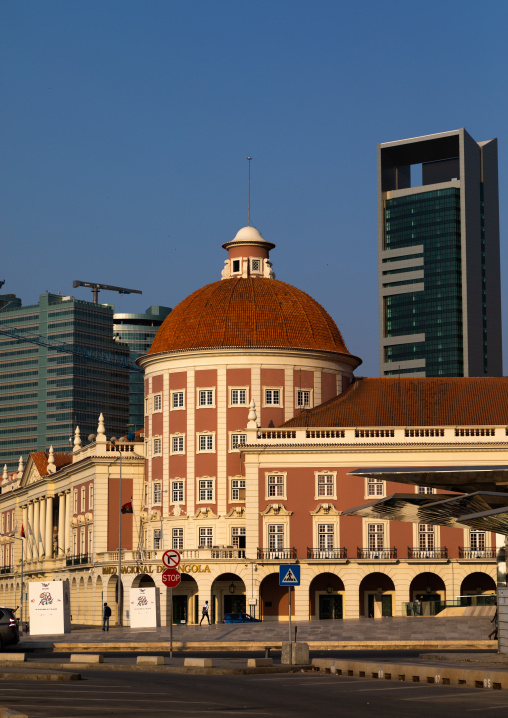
x: 251, y: 312
x: 475, y: 401
x: 40, y: 459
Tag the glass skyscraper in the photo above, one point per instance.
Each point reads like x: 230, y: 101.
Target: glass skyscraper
x: 439, y: 282
x: 45, y: 393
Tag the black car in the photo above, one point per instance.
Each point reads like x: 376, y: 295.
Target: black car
x: 9, y: 631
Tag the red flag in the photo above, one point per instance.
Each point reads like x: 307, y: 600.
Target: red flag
x: 127, y: 508
x: 22, y: 531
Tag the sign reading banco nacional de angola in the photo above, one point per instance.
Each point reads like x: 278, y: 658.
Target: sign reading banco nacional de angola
x: 157, y: 568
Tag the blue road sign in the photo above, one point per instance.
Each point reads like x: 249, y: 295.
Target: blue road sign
x: 289, y: 574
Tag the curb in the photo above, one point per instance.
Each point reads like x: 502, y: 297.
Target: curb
x: 30, y: 676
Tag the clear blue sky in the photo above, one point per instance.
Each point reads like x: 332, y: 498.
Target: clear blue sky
x: 125, y: 125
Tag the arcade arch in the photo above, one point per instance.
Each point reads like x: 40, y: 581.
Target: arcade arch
x: 326, y: 597
x: 377, y: 594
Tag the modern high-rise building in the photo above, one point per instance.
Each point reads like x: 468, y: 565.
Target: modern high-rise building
x: 438, y: 239
x: 138, y: 331
x: 44, y: 391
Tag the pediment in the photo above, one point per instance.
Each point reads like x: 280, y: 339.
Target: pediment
x: 276, y: 510
x: 325, y: 509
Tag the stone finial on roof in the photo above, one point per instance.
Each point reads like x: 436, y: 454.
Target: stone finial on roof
x: 77, y: 439
x: 51, y: 461
x: 253, y: 417
x: 20, y: 467
x: 5, y: 475
x: 101, y: 431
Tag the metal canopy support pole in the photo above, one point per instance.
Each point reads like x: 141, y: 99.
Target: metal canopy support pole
x: 119, y: 596
x: 502, y: 599
x: 21, y: 604
x: 289, y: 624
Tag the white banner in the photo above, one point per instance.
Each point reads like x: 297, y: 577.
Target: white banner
x: 49, y: 608
x: 144, y: 608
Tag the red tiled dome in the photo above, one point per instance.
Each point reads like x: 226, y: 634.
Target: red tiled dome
x: 251, y: 312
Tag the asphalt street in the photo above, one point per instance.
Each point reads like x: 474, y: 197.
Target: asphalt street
x: 300, y: 694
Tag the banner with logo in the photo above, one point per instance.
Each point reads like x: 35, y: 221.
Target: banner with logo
x: 144, y: 608
x: 49, y: 608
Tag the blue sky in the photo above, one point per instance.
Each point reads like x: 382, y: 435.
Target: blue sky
x: 125, y: 127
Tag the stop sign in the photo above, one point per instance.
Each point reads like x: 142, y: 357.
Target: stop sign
x: 171, y: 577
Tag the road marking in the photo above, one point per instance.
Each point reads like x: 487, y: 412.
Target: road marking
x: 483, y: 708
x: 394, y: 688
x: 452, y: 695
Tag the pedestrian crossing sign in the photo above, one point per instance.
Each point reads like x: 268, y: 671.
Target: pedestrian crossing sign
x: 289, y: 574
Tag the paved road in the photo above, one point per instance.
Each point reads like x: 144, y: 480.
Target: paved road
x: 295, y: 695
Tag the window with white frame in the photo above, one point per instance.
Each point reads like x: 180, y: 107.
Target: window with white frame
x: 205, y: 489
x: 145, y: 495
x: 205, y: 537
x: 83, y: 499
x: 178, y: 444
x: 326, y: 485
x: 75, y: 542
x: 256, y: 265
x: 157, y: 402
x: 477, y: 540
x: 238, y: 536
x: 326, y: 533
x: 90, y: 540
x: 238, y: 440
x: 376, y: 537
x: 82, y: 537
x: 147, y: 406
x: 303, y: 398
x: 157, y: 493
x: 177, y: 492
x: 206, y: 442
x: 275, y: 537
x: 177, y: 540
x: 426, y: 490
x: 90, y: 497
x: 3, y: 523
x: 426, y: 537
x: 273, y: 397
x: 75, y: 501
x: 237, y: 489
x: 206, y: 397
x: 275, y: 485
x: 177, y: 400
x: 375, y: 487
x: 157, y: 539
x: 8, y: 522
x: 236, y: 266
x: 157, y: 446
x: 238, y: 397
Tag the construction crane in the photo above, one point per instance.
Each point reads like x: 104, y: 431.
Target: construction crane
x: 96, y: 288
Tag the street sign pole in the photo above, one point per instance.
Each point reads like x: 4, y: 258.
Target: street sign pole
x: 289, y: 624
x: 171, y: 622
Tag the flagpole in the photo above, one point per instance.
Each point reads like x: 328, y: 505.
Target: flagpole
x: 120, y: 606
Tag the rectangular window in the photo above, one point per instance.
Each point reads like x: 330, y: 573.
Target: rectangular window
x: 8, y: 523
x: 75, y: 542
x: 255, y: 265
x: 75, y: 501
x: 205, y: 537
x: 272, y: 397
x: 325, y: 536
x: 177, y: 446
x: 276, y: 537
x: 177, y: 400
x: 276, y: 485
x: 177, y: 543
x: 326, y: 485
x: 157, y: 402
x: 238, y: 440
x: 147, y: 406
x: 303, y: 397
x: 205, y: 489
x: 90, y: 541
x: 82, y: 541
x: 177, y: 493
x: 205, y: 442
x: 376, y: 537
x: 426, y: 537
x: 146, y: 495
x: 206, y: 397
x: 157, y: 493
x: 237, y: 489
x: 375, y: 487
x: 239, y: 397
x: 3, y: 523
x: 157, y: 446
x: 83, y: 499
x: 157, y: 539
x: 238, y: 536
x: 236, y: 266
x: 90, y: 497
x: 477, y: 540
x: 426, y: 490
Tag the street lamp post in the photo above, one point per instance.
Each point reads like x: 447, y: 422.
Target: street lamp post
x: 119, y: 602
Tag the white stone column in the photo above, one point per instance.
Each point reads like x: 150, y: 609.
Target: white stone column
x: 24, y: 523
x: 29, y: 531
x: 36, y: 527
x: 49, y: 527
x: 67, y: 528
x: 61, y: 524
x: 42, y: 528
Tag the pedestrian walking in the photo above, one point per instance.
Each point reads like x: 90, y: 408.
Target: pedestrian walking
x: 204, y: 612
x: 494, y: 621
x: 106, y: 613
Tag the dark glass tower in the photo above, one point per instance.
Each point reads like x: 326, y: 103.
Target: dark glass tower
x: 45, y: 393
x: 439, y: 283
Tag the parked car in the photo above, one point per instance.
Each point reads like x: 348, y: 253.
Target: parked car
x: 240, y: 618
x: 9, y: 630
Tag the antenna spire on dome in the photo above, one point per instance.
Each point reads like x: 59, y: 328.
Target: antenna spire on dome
x: 248, y: 203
